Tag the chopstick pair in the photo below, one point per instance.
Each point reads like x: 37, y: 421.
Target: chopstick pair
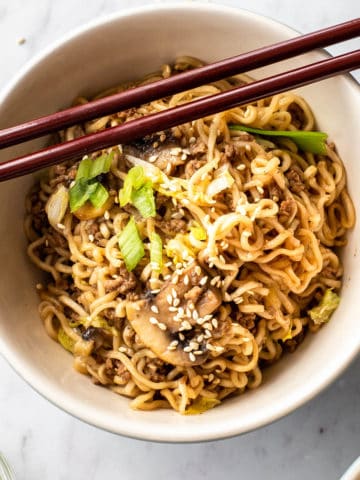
x: 178, y: 115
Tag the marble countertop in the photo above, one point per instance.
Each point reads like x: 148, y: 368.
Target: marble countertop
x: 316, y: 442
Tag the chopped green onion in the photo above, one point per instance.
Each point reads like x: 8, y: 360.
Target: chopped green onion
x: 313, y: 142
x: 80, y: 193
x: 99, y: 196
x: 199, y: 233
x: 131, y: 246
x: 134, y: 179
x: 155, y: 251
x: 86, y: 187
x: 327, y: 306
x: 143, y: 199
x: 66, y: 341
x: 201, y: 405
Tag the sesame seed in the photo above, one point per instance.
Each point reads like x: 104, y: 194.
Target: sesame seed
x: 176, y: 302
x: 181, y: 311
x: 192, y: 357
x: 215, y: 280
x: 157, y: 290
x: 175, y: 151
x: 173, y: 293
x: 154, y: 309
x: 183, y: 156
x: 200, y: 338
x: 123, y: 349
x: 208, y: 326
x: 186, y: 325
x: 208, y: 334
x: 241, y: 167
x: 91, y: 237
x: 153, y: 158
x: 192, y: 140
x: 39, y: 286
x: 211, y: 377
x: 222, y: 258
x: 200, y: 321
x: 162, y: 326
x: 214, y: 322
x: 198, y: 270
x: 61, y: 226
x: 137, y: 307
x: 219, y: 349
x: 203, y: 281
x: 275, y: 198
x: 260, y: 189
x: 208, y: 317
x: 181, y: 337
x: 194, y: 345
x: 106, y: 215
x: 72, y: 184
x: 174, y: 343
x: 187, y: 349
x: 167, y: 277
x: 153, y: 320
x: 198, y: 352
x: 21, y: 41
x: 172, y: 309
x: 186, y: 280
x: 115, y: 277
x: 195, y: 315
x: 191, y: 305
x: 169, y: 299
x: 175, y: 279
x: 188, y: 312
x: 171, y: 347
x: 206, y: 218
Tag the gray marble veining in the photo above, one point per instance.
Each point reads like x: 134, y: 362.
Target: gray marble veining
x: 317, y: 442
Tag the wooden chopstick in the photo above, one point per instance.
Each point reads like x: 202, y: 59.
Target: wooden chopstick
x: 181, y: 82
x: 203, y: 107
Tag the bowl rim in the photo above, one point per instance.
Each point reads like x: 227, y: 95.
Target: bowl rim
x: 44, y: 388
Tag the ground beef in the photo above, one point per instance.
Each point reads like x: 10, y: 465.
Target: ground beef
x: 297, y: 115
x: 275, y: 191
x: 246, y: 320
x: 287, y: 207
x: 198, y: 148
x: 55, y: 239
x: 292, y: 344
x: 63, y: 174
x: 192, y: 166
x: 125, y: 282
x: 172, y: 226
x: 156, y: 370
x: 115, y: 367
x: 295, y: 179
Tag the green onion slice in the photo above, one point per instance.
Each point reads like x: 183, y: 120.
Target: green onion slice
x: 143, y: 199
x: 313, y: 142
x: 99, y: 196
x: 131, y: 245
x: 156, y: 251
x: 134, y: 179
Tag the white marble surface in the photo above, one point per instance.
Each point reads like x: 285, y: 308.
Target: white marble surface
x: 316, y: 442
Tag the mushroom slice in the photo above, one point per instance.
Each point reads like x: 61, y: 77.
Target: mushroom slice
x: 167, y: 323
x: 139, y: 314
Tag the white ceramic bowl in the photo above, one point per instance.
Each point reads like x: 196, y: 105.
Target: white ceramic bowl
x: 353, y: 472
x: 109, y: 51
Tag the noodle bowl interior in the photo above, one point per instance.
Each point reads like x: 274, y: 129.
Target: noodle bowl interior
x: 181, y: 265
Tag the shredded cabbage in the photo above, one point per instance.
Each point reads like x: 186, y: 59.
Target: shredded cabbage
x: 201, y: 405
x: 327, y: 306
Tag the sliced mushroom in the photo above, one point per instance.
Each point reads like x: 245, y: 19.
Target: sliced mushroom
x: 168, y: 322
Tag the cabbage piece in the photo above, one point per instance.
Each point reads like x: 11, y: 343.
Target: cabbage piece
x: 327, y: 306
x: 201, y: 405
x: 67, y: 342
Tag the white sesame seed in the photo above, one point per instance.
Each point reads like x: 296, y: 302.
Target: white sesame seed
x: 172, y: 309
x: 192, y: 140
x: 219, y: 349
x: 192, y: 357
x: 157, y: 290
x: 186, y: 280
x: 195, y: 315
x: 222, y: 258
x: 183, y: 156
x: 260, y: 189
x: 210, y: 347
x: 211, y: 377
x: 171, y: 347
x: 191, y: 305
x: 167, y: 277
x: 175, y: 279
x: 214, y: 322
x: 115, y: 277
x: 91, y: 237
x: 173, y: 293
x: 181, y: 337
x: 176, y: 302
x: 198, y: 270
x: 200, y: 338
x: 123, y: 349
x: 154, y: 309
x: 203, y: 281
x: 186, y: 325
x: 168, y: 264
x: 162, y: 326
x: 215, y: 280
x: 61, y: 226
x: 169, y: 299
x: 194, y: 345
x: 187, y: 349
x: 174, y: 343
x: 241, y: 167
x: 198, y: 352
x: 208, y: 326
x: 153, y: 158
x: 208, y: 334
x: 153, y: 320
x: 106, y: 215
x: 39, y: 286
x: 72, y: 184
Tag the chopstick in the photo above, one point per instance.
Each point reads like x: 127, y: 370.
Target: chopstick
x: 203, y: 107
x: 178, y: 83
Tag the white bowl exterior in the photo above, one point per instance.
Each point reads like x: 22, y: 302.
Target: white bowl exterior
x: 119, y: 48
x: 353, y: 473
